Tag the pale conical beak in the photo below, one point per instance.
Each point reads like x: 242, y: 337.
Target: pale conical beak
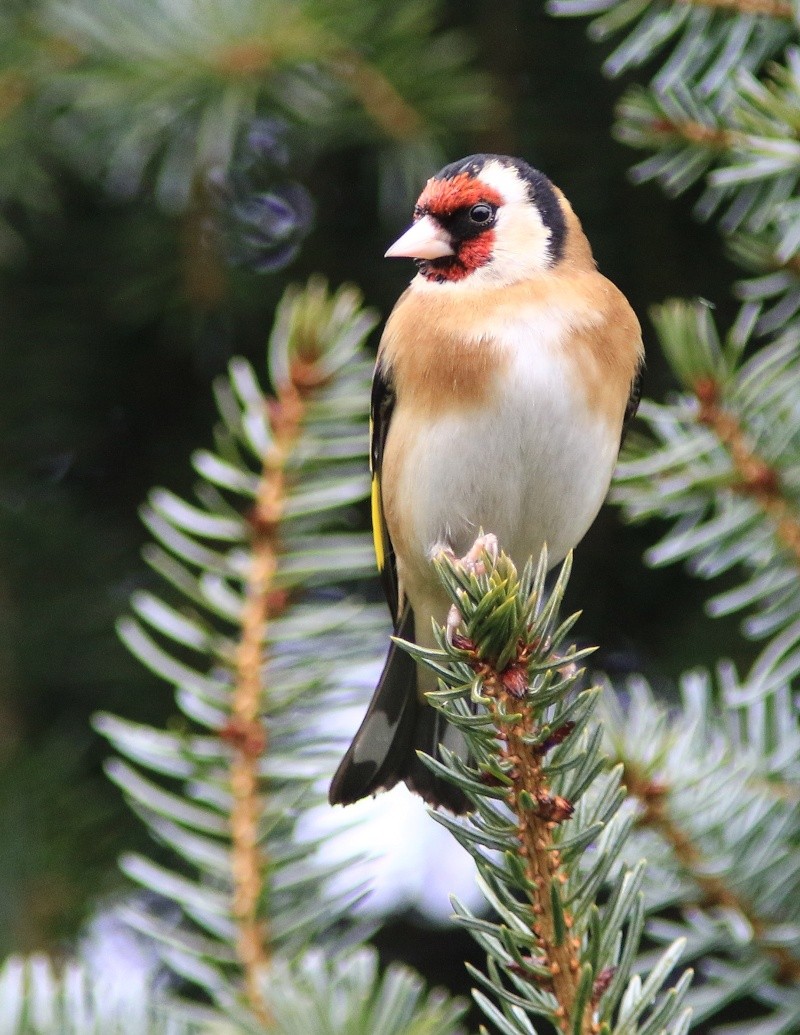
x: 425, y: 239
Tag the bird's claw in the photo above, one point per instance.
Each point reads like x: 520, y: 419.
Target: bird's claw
x: 474, y: 563
x: 473, y: 559
x: 453, y: 622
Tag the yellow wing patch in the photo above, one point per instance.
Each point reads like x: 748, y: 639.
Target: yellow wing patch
x: 377, y: 522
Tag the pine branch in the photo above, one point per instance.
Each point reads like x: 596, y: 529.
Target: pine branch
x: 349, y: 996
x: 654, y: 796
x: 741, y: 142
x: 720, y: 841
x: 346, y: 995
x: 158, y: 102
x: 754, y: 477
x: 781, y: 9
x: 256, y: 58
x: 378, y: 96
x: 721, y: 469
x: 245, y: 732
x: 261, y: 645
x: 720, y: 108
x: 257, y: 641
x: 547, y: 826
x: 14, y: 91
x: 706, y: 42
x: 775, y: 288
x: 38, y: 999
x: 687, y: 137
x: 538, y: 812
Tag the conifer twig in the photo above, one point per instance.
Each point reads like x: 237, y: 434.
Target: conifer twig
x: 653, y: 796
x: 245, y: 731
x: 756, y: 478
x: 204, y: 278
x: 378, y: 96
x: 780, y: 9
x: 538, y: 812
x: 695, y: 132
x: 543, y: 798
x: 246, y: 649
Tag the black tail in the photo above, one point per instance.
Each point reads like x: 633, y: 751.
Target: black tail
x: 396, y: 726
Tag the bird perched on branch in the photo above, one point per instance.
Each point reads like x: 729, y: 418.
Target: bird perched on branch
x: 505, y: 376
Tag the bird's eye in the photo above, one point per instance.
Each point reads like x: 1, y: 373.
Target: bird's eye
x: 481, y: 213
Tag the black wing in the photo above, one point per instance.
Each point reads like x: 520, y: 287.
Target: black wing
x: 633, y: 402
x: 381, y: 409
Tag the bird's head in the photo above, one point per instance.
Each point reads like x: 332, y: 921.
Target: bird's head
x: 486, y: 219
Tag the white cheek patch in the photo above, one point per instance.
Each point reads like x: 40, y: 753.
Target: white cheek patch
x: 522, y: 243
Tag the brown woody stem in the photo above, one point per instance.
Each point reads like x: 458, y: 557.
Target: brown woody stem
x: 14, y: 91
x: 245, y: 731
x: 535, y: 826
x: 377, y: 95
x: 781, y: 9
x: 696, y: 133
x: 205, y: 281
x: 792, y: 264
x: 301, y: 40
x: 756, y: 478
x: 653, y: 796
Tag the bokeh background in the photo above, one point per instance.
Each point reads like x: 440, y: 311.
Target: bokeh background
x: 111, y: 334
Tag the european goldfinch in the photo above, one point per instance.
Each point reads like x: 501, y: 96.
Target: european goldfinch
x: 505, y: 375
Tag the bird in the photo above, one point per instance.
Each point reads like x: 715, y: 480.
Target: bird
x: 506, y: 375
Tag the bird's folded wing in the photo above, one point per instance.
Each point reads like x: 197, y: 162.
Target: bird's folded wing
x: 633, y: 402
x: 381, y: 408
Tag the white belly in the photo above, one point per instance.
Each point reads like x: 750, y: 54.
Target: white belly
x: 534, y: 470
